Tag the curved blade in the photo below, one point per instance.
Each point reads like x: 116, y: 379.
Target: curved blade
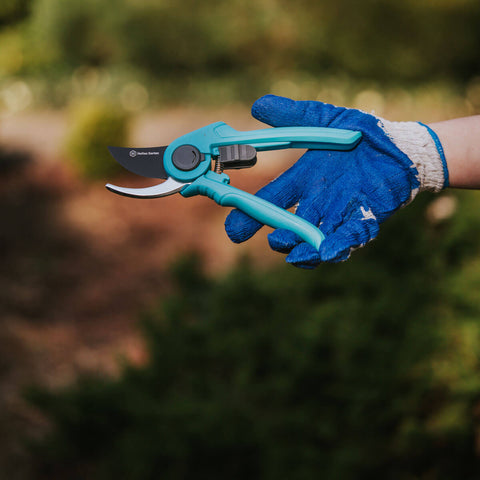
x: 147, y: 162
x: 169, y: 187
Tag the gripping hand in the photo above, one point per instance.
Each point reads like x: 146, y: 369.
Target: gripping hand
x: 346, y: 194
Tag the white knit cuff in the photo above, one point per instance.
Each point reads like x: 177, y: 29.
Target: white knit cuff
x: 415, y: 141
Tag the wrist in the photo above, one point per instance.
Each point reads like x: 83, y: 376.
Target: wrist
x: 459, y: 138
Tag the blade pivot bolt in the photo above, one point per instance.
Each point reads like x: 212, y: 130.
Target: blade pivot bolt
x: 187, y: 157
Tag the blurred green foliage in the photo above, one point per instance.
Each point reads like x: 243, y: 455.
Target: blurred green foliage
x: 249, y: 43
x: 13, y: 11
x: 383, y: 39
x: 95, y: 124
x: 367, y: 369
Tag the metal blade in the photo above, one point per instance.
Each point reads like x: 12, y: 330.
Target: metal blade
x: 147, y: 162
x: 169, y: 187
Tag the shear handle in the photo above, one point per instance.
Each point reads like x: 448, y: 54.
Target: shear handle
x: 215, y: 186
x: 320, y: 138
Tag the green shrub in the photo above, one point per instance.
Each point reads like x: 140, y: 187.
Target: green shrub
x: 363, y: 370
x: 387, y: 41
x: 96, y: 124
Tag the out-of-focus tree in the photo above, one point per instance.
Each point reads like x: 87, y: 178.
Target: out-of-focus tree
x: 383, y: 40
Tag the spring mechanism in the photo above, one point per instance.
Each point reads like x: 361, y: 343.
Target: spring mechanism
x: 218, y: 167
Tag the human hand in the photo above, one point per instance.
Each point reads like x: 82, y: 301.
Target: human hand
x: 346, y: 194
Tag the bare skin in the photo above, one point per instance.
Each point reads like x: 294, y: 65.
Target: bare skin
x: 460, y: 140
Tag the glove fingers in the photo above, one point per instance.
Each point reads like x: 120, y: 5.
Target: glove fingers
x: 284, y: 112
x: 283, y: 241
x: 335, y: 248
x: 344, y: 230
x: 282, y: 192
x: 322, y: 210
x: 309, y: 209
x: 304, y: 256
x: 240, y: 227
x: 349, y: 236
x: 356, y: 226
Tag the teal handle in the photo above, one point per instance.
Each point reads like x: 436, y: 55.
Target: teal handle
x: 216, y: 187
x: 320, y: 138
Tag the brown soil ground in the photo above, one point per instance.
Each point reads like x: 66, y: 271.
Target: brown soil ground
x: 79, y: 263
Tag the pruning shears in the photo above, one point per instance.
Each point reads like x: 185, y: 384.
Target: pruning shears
x: 193, y: 164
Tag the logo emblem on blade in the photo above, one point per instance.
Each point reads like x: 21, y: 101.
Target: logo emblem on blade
x: 134, y: 153
x: 142, y: 161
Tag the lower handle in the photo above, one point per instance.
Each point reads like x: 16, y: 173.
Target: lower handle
x: 216, y: 187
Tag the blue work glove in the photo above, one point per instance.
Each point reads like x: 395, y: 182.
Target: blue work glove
x: 346, y: 194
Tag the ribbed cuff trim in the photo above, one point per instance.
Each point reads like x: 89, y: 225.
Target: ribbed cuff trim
x: 441, y: 152
x: 418, y: 144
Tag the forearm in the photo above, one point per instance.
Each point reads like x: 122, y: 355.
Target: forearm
x: 460, y: 139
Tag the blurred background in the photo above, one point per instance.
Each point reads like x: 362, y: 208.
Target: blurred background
x: 137, y: 342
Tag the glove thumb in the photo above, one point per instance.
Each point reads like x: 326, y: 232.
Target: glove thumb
x: 284, y: 112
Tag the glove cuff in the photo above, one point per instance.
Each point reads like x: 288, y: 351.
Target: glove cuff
x: 422, y: 146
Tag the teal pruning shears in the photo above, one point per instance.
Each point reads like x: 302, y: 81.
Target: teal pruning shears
x: 193, y: 164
